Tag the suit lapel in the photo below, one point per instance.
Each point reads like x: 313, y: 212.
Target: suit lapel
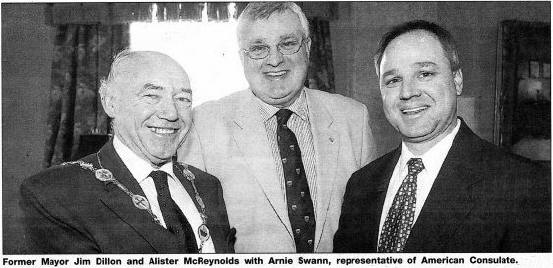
x: 121, y: 204
x: 375, y: 205
x: 326, y: 143
x: 186, y: 184
x: 450, y: 199
x: 250, y: 136
x: 217, y: 234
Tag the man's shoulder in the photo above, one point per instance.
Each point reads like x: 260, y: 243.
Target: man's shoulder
x: 334, y: 100
x: 376, y: 167
x: 222, y: 105
x: 500, y: 160
x: 61, y: 178
x: 199, y: 174
x: 489, y: 156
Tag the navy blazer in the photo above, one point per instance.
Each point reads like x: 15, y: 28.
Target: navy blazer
x: 483, y: 200
x: 67, y: 210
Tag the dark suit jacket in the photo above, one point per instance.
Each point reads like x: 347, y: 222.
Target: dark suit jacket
x: 68, y: 210
x: 483, y: 200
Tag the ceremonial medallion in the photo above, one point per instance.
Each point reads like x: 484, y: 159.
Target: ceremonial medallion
x: 140, y: 202
x: 103, y: 174
x: 203, y: 233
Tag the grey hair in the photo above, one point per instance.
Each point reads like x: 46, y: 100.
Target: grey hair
x: 105, y: 83
x: 118, y: 68
x: 263, y: 10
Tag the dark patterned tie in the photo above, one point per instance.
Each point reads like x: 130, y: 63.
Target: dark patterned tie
x: 300, y: 205
x: 399, y: 221
x: 174, y: 219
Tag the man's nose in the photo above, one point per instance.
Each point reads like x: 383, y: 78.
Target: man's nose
x: 274, y: 58
x: 168, y: 110
x: 409, y: 88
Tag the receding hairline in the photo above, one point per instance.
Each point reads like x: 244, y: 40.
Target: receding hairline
x: 422, y: 33
x: 136, y: 59
x: 128, y: 63
x: 443, y: 36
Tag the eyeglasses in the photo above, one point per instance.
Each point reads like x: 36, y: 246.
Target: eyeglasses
x: 287, y: 47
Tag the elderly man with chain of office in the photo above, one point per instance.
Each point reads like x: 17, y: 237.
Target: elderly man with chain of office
x: 130, y: 197
x: 283, y: 152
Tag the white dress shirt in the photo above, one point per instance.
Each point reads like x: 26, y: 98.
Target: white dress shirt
x: 432, y: 161
x: 141, y: 169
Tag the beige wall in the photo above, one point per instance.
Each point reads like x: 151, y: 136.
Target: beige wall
x: 474, y: 25
x: 27, y: 47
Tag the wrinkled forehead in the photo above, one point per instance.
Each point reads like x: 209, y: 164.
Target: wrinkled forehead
x: 133, y: 74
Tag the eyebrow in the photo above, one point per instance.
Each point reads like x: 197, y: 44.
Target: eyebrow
x: 158, y: 87
x: 264, y: 40
x: 418, y: 64
x: 390, y: 72
x: 425, y: 64
x: 288, y: 36
x: 152, y: 86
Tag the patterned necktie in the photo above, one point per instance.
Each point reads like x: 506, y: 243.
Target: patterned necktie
x: 399, y: 221
x: 300, y: 205
x: 174, y: 219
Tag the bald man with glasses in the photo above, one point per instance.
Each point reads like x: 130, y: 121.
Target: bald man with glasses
x: 282, y: 152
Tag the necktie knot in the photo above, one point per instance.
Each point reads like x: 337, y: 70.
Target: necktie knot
x: 283, y: 115
x: 160, y: 179
x: 401, y: 215
x: 414, y: 166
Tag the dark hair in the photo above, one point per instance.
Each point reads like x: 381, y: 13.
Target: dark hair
x: 445, y: 38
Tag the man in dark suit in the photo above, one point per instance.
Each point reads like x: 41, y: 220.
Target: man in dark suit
x: 444, y: 189
x: 130, y: 197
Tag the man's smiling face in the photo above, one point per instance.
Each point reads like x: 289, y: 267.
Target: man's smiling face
x: 276, y: 79
x: 419, y: 90
x: 151, y: 106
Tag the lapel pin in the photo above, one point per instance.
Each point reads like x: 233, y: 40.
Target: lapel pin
x: 331, y: 139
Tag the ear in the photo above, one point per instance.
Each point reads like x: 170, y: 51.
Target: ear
x: 458, y: 80
x: 308, y: 46
x: 242, y: 54
x: 109, y: 103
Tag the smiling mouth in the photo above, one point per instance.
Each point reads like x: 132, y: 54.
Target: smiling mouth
x: 415, y: 110
x: 276, y: 75
x: 163, y: 131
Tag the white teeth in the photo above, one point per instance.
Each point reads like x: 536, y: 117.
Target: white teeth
x: 414, y: 110
x: 276, y: 73
x: 163, y: 130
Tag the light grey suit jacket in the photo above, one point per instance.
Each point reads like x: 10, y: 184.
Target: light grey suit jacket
x: 229, y: 141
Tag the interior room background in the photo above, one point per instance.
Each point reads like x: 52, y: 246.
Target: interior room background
x: 28, y: 53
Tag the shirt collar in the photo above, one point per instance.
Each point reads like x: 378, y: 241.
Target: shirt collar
x: 433, y: 158
x: 299, y: 107
x: 139, y: 168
